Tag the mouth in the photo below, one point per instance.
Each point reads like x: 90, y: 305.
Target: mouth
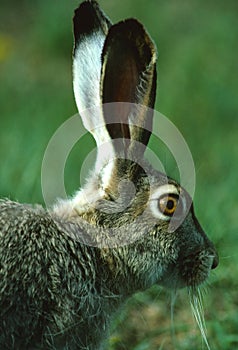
x: 195, y: 268
x: 189, y: 271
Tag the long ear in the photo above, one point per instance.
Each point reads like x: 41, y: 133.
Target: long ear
x: 129, y: 78
x: 90, y: 29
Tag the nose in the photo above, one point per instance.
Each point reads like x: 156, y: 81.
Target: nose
x: 215, y: 260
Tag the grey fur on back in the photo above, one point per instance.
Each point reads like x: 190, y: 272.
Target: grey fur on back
x: 53, y: 290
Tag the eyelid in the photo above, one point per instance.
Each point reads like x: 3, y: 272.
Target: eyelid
x: 163, y: 190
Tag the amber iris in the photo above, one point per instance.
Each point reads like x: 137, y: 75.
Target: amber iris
x: 168, y: 204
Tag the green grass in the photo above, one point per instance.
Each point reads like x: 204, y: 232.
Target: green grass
x: 197, y: 75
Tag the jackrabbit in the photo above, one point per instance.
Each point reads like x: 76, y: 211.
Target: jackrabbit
x: 65, y: 272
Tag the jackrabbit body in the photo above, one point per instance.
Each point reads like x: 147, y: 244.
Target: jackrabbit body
x: 65, y: 272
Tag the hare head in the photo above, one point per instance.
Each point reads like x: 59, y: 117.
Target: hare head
x: 137, y: 215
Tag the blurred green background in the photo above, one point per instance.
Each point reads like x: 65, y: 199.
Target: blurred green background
x: 197, y: 73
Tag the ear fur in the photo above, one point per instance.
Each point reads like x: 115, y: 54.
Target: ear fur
x: 90, y: 27
x: 113, y: 63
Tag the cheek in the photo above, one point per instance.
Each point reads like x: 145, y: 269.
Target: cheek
x: 168, y: 248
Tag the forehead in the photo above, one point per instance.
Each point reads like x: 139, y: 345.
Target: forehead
x: 158, y: 179
x: 170, y: 186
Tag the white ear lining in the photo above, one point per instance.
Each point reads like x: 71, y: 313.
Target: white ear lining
x: 86, y: 71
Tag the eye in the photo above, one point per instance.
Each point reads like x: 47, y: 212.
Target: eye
x: 167, y: 204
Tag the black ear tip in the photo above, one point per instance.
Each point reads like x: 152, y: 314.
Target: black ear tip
x: 85, y: 5
x: 84, y: 17
x: 86, y: 8
x: 132, y: 32
x: 88, y: 17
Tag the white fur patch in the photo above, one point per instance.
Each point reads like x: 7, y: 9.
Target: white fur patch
x: 86, y: 71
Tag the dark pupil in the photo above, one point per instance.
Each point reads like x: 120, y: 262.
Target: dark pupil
x: 170, y: 204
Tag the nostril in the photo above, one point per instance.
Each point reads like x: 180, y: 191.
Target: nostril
x: 215, y: 261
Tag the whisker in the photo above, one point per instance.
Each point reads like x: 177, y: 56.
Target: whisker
x: 173, y: 300
x: 227, y: 257
x: 195, y: 297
